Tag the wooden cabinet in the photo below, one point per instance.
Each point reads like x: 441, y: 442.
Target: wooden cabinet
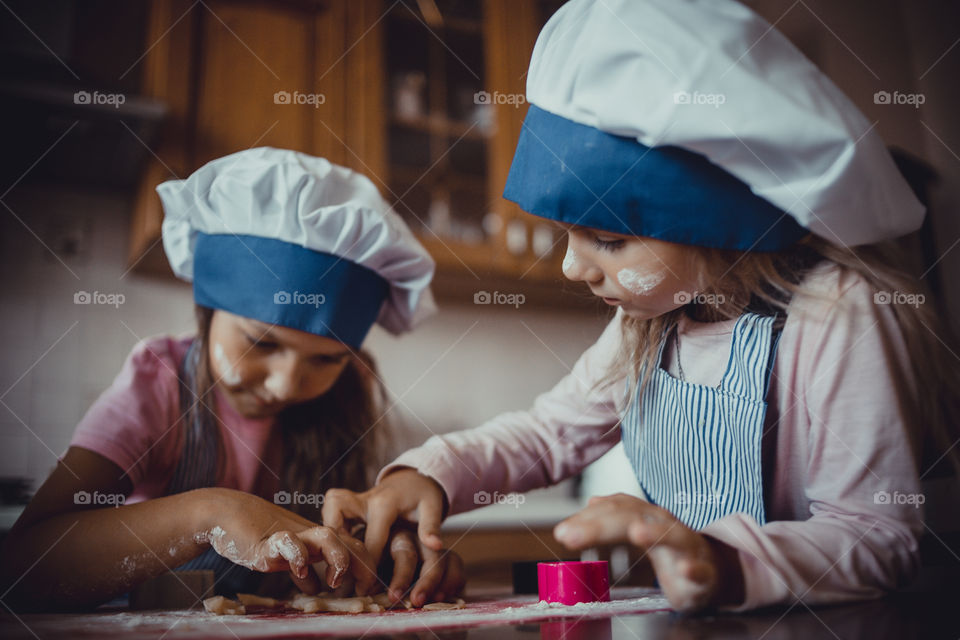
x: 425, y: 98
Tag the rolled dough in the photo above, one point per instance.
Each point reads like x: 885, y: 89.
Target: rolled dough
x: 320, y: 603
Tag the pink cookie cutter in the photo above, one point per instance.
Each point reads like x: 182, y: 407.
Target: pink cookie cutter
x: 573, y: 582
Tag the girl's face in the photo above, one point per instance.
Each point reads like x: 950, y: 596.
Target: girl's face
x: 263, y: 369
x: 642, y: 275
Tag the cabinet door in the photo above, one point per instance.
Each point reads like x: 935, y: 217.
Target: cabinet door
x: 297, y: 74
x: 456, y: 85
x: 256, y: 74
x: 533, y: 245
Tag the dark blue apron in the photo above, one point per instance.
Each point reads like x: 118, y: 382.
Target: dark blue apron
x: 696, y: 450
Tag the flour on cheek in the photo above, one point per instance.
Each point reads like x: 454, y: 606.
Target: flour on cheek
x: 227, y: 372
x: 638, y: 282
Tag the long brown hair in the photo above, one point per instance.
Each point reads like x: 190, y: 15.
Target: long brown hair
x: 769, y: 281
x: 331, y: 441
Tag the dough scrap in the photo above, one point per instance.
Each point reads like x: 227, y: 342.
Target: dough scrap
x: 224, y: 606
x: 249, y: 599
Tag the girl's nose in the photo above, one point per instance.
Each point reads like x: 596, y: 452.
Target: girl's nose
x: 283, y: 378
x: 576, y: 267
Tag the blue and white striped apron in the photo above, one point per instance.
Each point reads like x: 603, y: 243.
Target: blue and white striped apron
x: 696, y: 450
x: 197, y: 468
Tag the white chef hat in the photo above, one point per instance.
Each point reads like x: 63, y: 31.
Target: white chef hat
x: 695, y: 121
x: 291, y: 239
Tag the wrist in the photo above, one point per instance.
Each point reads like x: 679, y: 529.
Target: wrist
x: 202, y: 505
x: 731, y: 589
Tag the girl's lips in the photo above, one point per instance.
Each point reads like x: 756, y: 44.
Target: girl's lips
x: 262, y: 404
x: 611, y: 301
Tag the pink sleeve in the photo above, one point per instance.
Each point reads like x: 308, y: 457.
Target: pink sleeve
x: 860, y: 478
x: 568, y: 427
x: 129, y: 422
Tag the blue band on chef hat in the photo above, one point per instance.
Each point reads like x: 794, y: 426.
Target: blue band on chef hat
x: 577, y: 174
x: 285, y: 284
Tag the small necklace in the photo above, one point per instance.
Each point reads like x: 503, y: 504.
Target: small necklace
x: 676, y: 339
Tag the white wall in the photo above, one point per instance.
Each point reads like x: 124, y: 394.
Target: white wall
x: 460, y: 368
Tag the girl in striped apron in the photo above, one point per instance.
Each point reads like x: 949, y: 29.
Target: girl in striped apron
x: 704, y: 172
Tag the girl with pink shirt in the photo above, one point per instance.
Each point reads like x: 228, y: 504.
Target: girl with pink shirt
x: 214, y: 451
x: 779, y: 385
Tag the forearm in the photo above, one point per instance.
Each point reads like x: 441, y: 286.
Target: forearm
x: 821, y: 560
x: 514, y: 452
x: 80, y: 559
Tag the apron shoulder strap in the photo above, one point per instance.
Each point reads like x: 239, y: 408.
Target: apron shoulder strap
x: 751, y: 356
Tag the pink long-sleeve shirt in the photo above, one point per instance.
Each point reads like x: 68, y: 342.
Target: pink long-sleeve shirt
x: 840, y: 524
x: 136, y: 424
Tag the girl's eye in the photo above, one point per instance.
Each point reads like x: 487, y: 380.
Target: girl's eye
x: 260, y: 344
x: 607, y: 245
x: 323, y: 360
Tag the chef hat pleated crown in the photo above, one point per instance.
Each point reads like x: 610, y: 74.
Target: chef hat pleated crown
x: 695, y: 121
x: 294, y: 240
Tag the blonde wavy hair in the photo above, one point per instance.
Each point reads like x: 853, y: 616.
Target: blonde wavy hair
x: 768, y: 282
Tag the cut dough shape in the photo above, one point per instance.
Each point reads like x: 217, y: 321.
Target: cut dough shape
x: 223, y: 606
x: 444, y: 606
x: 249, y: 599
x: 322, y: 603
x: 314, y: 604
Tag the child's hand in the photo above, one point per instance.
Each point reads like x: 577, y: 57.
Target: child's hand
x: 405, y: 493
x: 441, y: 577
x: 694, y: 571
x: 260, y: 535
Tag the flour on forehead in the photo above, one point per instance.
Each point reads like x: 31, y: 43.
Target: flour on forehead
x: 638, y: 282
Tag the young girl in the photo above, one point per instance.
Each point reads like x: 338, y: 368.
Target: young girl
x: 208, y: 441
x: 772, y: 385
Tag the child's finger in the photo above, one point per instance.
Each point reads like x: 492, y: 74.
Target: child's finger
x: 310, y: 585
x: 590, y: 528
x: 403, y: 550
x: 323, y: 544
x: 667, y: 533
x: 431, y: 517
x: 362, y: 567
x: 340, y: 504
x: 380, y: 517
x: 454, y: 577
x: 431, y: 575
x: 285, y: 546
